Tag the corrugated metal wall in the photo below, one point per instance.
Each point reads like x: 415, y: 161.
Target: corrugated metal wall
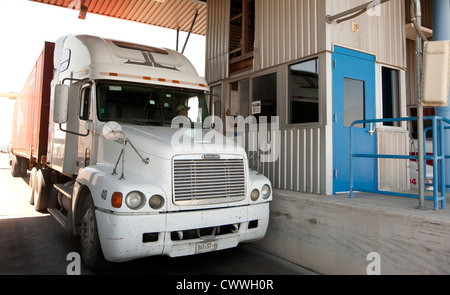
x: 217, y: 38
x: 381, y: 34
x: 298, y: 167
x: 393, y: 174
x: 287, y: 30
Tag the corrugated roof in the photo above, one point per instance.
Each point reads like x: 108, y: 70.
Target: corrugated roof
x: 172, y: 14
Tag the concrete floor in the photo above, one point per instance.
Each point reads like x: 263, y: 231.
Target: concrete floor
x: 400, y: 205
x: 338, y: 235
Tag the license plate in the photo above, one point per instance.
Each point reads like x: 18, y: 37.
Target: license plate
x: 205, y: 247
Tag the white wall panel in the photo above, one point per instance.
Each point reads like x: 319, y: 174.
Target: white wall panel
x: 393, y: 174
x: 299, y: 164
x: 287, y: 30
x: 381, y: 32
x: 217, y: 39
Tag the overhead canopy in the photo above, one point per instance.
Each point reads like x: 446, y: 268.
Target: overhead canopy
x: 171, y: 14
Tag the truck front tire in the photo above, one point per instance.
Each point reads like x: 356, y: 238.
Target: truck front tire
x: 42, y: 187
x: 90, y: 243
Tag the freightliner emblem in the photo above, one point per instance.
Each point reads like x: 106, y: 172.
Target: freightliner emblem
x: 211, y: 157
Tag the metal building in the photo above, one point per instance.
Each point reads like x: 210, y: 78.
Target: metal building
x: 308, y: 64
x: 319, y: 65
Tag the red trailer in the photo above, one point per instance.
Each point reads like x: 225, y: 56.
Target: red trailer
x: 29, y: 136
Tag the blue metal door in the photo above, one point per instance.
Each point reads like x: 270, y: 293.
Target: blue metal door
x: 353, y: 99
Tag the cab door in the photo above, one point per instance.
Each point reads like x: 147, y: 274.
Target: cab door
x: 85, y: 140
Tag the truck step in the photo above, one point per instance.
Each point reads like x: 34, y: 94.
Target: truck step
x: 53, y: 208
x: 65, y: 190
x: 59, y: 217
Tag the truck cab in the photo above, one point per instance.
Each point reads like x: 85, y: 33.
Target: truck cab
x: 135, y: 166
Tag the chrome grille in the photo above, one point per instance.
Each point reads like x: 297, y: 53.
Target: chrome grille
x: 208, y: 181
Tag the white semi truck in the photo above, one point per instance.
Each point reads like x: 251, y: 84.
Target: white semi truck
x: 110, y: 170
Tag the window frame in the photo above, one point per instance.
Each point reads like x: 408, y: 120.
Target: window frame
x: 251, y: 89
x: 66, y: 55
x: 399, y: 94
x: 241, y: 58
x: 321, y: 79
x: 83, y: 106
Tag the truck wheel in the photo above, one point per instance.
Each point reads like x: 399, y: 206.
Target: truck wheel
x: 91, y: 249
x: 23, y: 166
x: 42, y: 190
x: 31, y: 183
x: 15, y: 167
x: 19, y: 166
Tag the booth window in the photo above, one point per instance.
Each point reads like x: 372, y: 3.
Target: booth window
x: 391, y: 95
x: 304, y: 92
x: 240, y: 98
x: 264, y: 96
x: 216, y: 101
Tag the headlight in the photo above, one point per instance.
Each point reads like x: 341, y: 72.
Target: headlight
x: 255, y: 195
x: 265, y: 191
x: 135, y: 200
x: 156, y: 202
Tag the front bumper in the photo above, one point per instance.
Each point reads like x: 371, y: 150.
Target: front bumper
x: 126, y: 237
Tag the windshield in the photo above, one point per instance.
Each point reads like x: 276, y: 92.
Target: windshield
x: 148, y: 104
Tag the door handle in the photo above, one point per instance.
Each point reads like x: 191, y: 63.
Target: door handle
x: 372, y: 129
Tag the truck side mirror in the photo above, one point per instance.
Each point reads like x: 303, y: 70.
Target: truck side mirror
x: 61, y: 104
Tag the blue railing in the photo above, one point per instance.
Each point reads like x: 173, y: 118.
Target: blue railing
x: 438, y: 157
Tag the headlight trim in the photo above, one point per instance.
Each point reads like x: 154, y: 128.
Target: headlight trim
x: 135, y: 200
x: 266, y: 191
x: 156, y: 202
x: 254, y: 196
